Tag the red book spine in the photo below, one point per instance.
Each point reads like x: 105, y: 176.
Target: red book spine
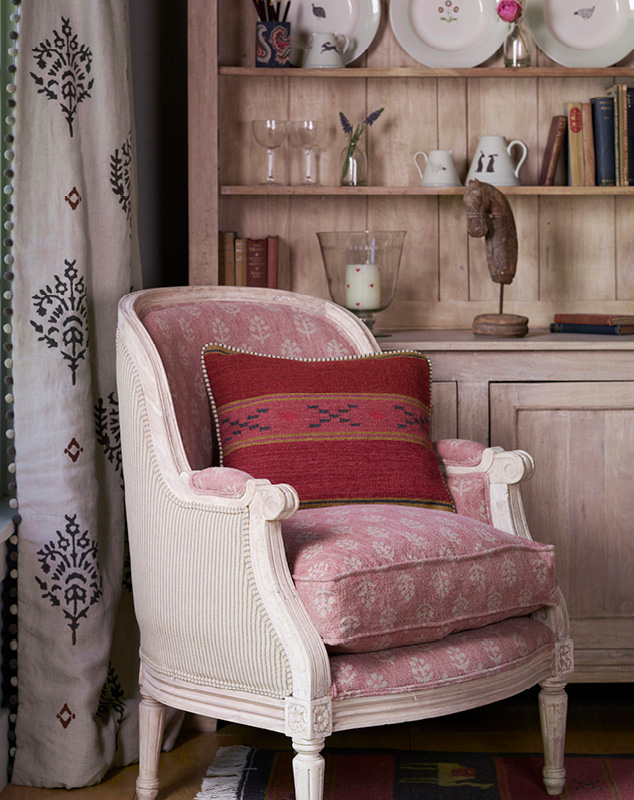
x: 256, y: 262
x: 594, y: 319
x: 553, y: 149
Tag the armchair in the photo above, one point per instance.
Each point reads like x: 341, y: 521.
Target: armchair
x: 236, y: 587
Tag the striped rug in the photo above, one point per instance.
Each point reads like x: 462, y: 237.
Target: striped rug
x: 242, y: 773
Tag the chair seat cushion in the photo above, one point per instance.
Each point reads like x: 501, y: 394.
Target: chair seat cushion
x: 340, y: 431
x: 377, y: 576
x: 458, y: 658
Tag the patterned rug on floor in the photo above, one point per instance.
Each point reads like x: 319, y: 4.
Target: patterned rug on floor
x: 242, y: 773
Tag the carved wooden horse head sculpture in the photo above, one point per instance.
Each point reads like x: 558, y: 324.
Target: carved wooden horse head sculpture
x: 489, y: 214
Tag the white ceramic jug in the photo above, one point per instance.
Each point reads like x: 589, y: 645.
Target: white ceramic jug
x: 492, y: 162
x: 439, y: 169
x: 326, y: 50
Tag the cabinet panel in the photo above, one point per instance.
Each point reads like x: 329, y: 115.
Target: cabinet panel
x: 444, y: 410
x: 580, y: 499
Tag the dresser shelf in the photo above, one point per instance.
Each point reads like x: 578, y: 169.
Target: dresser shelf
x: 609, y: 73
x: 415, y: 191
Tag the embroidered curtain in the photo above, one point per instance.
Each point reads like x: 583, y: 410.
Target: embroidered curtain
x: 76, y: 254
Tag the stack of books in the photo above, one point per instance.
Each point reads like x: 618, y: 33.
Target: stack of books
x: 599, y: 135
x: 247, y: 262
x: 612, y: 324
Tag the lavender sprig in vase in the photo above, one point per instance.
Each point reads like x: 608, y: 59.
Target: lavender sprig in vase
x: 354, y: 171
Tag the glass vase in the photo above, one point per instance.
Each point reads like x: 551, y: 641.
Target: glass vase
x: 517, y: 51
x: 354, y: 166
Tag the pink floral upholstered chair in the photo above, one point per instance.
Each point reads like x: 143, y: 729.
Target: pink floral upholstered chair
x: 304, y: 558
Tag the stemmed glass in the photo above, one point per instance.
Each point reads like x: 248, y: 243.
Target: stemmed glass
x: 270, y: 133
x: 308, y: 133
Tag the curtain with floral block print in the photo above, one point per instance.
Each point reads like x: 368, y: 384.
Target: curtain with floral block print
x: 76, y: 254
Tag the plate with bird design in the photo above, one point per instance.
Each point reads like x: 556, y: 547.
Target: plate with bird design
x: 582, y: 33
x: 356, y: 19
x: 448, y: 33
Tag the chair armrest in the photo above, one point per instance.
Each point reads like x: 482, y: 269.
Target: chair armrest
x: 218, y: 481
x: 213, y: 596
x: 484, y: 482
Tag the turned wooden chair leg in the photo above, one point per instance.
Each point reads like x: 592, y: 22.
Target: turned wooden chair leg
x: 553, y: 707
x: 308, y: 769
x: 151, y: 726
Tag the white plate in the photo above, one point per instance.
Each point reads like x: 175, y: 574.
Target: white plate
x: 357, y: 19
x: 582, y: 33
x: 444, y: 33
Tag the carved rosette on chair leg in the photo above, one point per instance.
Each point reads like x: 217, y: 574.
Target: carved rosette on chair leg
x: 308, y: 722
x: 553, y: 708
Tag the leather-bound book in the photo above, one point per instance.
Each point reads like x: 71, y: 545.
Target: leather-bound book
x: 256, y: 262
x: 603, y: 131
x: 552, y: 153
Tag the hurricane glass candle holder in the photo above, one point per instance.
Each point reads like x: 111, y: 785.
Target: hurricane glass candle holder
x: 362, y: 269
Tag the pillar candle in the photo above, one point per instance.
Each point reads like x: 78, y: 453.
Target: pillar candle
x: 363, y: 287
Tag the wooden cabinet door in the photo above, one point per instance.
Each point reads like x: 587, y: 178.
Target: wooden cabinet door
x: 444, y: 410
x: 581, y: 499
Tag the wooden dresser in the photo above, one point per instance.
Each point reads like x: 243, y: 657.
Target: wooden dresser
x: 568, y: 401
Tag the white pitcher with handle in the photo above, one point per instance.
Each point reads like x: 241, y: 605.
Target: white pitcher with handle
x: 492, y: 162
x: 439, y: 169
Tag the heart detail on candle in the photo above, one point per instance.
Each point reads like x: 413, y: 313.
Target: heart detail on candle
x: 358, y: 304
x: 371, y: 286
x: 358, y: 269
x: 347, y: 285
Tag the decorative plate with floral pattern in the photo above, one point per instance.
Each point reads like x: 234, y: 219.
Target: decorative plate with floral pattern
x: 448, y: 33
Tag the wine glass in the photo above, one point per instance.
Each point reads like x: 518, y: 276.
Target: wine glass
x: 270, y: 133
x: 308, y: 133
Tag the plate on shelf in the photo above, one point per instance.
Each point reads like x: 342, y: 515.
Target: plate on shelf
x: 582, y: 33
x: 357, y: 19
x: 448, y: 33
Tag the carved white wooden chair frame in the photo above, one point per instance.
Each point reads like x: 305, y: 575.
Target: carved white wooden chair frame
x: 308, y: 714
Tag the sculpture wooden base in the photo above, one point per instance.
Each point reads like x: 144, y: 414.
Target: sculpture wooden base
x: 509, y: 325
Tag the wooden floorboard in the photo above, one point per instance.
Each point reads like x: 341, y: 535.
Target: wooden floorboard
x: 600, y: 720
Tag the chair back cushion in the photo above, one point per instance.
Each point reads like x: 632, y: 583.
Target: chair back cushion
x: 340, y: 431
x: 180, y: 330
x: 377, y: 577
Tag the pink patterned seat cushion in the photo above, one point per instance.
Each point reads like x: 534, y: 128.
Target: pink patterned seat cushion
x: 456, y: 659
x: 377, y: 577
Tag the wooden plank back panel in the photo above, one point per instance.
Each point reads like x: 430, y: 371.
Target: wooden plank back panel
x: 575, y: 253
x: 577, y: 249
x: 624, y: 248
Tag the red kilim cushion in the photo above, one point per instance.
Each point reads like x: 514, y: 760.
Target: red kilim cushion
x: 349, y: 430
